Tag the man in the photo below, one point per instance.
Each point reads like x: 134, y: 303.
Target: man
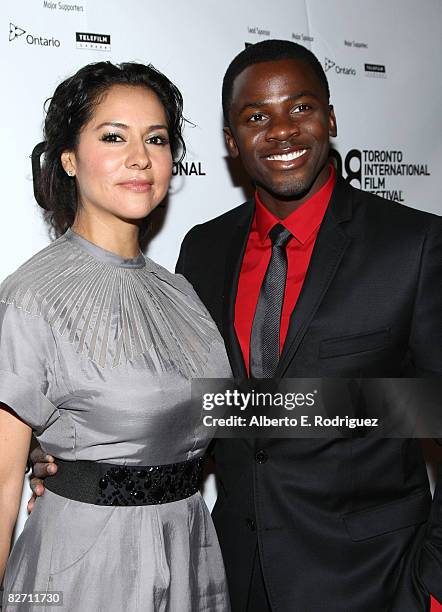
x: 322, y: 524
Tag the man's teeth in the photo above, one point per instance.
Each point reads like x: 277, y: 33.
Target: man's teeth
x: 287, y: 156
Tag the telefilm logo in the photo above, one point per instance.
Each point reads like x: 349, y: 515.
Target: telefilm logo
x: 373, y: 170
x: 375, y: 70
x: 16, y: 32
x: 94, y: 42
x: 329, y: 64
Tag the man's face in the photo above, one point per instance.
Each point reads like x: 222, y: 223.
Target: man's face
x: 280, y: 124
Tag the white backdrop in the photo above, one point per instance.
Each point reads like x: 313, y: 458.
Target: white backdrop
x: 383, y: 61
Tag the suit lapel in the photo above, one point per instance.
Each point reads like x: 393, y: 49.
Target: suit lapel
x: 330, y: 246
x: 235, y: 256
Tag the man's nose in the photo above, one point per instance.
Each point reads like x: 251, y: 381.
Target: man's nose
x: 283, y: 128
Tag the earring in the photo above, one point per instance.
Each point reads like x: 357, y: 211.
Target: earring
x: 70, y: 173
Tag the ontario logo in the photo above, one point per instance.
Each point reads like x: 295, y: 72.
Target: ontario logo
x: 16, y: 31
x: 329, y: 64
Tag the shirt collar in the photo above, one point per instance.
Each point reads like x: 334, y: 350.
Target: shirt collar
x: 303, y: 221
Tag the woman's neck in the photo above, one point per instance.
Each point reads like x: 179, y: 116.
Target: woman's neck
x: 119, y: 237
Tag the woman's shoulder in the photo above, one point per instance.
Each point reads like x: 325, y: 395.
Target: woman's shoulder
x: 24, y: 285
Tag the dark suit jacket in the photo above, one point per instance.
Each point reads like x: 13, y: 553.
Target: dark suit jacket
x: 342, y: 524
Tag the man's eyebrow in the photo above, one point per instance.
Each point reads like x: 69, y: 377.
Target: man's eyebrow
x: 260, y: 103
x: 123, y: 126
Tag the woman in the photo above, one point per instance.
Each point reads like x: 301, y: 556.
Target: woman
x: 98, y: 346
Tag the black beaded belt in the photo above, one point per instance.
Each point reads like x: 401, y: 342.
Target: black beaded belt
x: 107, y: 484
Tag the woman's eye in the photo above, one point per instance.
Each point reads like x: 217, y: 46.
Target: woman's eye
x: 111, y: 137
x: 158, y: 140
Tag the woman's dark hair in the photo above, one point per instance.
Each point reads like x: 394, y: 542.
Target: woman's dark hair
x: 72, y: 106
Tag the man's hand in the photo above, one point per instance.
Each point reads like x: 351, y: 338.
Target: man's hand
x: 44, y: 465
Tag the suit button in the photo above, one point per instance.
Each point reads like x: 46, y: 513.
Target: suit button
x: 251, y: 524
x: 261, y: 456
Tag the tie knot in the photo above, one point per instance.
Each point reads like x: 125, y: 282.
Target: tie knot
x: 279, y: 235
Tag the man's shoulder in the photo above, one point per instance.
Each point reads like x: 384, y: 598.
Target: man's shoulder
x: 224, y: 223
x: 399, y: 215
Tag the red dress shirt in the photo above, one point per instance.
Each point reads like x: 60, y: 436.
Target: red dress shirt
x: 304, y: 224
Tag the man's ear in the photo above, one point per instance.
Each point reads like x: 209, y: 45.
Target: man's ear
x: 230, y: 143
x: 68, y: 162
x: 332, y: 123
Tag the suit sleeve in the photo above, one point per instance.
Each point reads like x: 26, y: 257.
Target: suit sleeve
x: 426, y: 332
x: 182, y: 266
x: 426, y: 348
x: 181, y: 262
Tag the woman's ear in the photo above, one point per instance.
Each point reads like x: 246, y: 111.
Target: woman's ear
x: 67, y: 159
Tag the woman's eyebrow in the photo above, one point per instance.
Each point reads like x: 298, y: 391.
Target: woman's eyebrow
x: 118, y: 124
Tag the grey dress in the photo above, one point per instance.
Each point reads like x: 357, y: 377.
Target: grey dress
x: 96, y: 354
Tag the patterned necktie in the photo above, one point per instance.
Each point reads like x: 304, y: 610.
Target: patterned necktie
x: 264, y: 340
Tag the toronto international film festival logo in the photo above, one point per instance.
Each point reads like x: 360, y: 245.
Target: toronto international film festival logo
x: 376, y: 170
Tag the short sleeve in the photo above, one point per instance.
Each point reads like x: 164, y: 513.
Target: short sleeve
x: 27, y: 361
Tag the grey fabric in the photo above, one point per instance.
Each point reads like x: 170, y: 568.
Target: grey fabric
x: 96, y: 354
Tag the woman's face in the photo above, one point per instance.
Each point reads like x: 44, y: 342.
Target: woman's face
x: 123, y: 162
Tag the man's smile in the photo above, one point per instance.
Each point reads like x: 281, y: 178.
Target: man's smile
x: 290, y: 156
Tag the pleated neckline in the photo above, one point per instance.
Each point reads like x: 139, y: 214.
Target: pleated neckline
x: 107, y: 257
x: 112, y: 314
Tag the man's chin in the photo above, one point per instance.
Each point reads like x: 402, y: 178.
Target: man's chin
x: 295, y: 190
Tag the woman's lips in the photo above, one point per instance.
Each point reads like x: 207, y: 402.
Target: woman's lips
x: 137, y: 186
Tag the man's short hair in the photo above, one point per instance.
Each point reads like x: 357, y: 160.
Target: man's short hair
x: 267, y: 51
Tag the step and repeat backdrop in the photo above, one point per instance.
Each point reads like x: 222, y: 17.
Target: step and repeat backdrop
x: 383, y: 61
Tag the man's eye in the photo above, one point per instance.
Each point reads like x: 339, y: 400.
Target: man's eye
x: 111, y: 137
x: 256, y: 117
x: 301, y: 108
x: 158, y: 140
